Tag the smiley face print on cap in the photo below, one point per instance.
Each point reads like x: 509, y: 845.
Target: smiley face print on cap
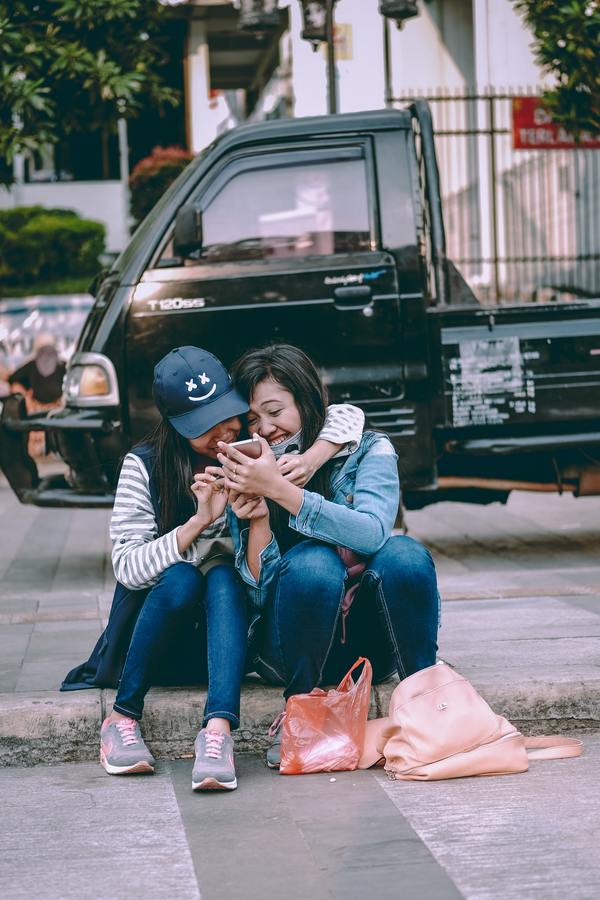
x: 192, y: 386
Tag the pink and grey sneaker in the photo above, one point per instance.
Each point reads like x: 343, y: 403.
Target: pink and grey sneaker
x: 214, y: 769
x: 122, y: 749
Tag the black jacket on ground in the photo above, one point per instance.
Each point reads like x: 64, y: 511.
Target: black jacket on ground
x: 105, y: 665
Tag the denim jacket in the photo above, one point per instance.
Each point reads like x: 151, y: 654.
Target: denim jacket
x: 365, y: 494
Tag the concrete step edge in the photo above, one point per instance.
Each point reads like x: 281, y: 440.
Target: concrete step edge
x: 52, y: 727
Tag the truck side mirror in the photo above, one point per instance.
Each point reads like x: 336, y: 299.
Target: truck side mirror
x: 187, y: 236
x: 97, y: 281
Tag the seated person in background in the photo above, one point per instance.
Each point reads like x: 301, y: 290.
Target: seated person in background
x: 41, y: 376
x: 41, y: 380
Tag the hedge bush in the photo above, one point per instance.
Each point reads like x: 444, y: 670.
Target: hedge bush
x: 14, y: 219
x: 152, y: 176
x: 38, y: 245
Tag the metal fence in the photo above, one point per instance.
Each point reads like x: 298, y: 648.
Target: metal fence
x: 521, y: 225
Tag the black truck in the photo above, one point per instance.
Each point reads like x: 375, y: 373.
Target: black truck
x: 328, y: 233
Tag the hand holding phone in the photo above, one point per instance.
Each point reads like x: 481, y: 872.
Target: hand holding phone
x: 254, y: 477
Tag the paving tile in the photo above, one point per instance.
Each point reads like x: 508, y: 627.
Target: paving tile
x: 54, y: 648
x: 11, y: 603
x: 86, y: 599
x: 318, y: 836
x: 524, y: 836
x: 60, y: 838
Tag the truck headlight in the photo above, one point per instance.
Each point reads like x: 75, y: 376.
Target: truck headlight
x: 91, y: 380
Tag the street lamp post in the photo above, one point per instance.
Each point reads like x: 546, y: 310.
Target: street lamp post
x: 399, y: 11
x: 331, y: 84
x: 318, y: 27
x: 387, y: 64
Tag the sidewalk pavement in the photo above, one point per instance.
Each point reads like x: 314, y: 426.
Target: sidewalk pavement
x: 70, y: 831
x: 521, y: 620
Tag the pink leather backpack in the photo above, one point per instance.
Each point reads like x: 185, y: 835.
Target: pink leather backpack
x: 438, y: 726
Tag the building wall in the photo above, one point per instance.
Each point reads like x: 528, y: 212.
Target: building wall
x: 361, y: 78
x: 103, y: 201
x: 503, y: 55
x: 309, y: 72
x: 207, y: 116
x: 435, y: 49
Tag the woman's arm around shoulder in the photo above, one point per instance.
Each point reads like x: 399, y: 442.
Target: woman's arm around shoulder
x: 339, y: 436
x: 344, y: 426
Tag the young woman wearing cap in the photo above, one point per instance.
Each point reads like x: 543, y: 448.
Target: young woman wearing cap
x: 179, y: 614
x: 327, y: 578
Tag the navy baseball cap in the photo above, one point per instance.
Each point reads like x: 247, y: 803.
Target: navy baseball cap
x: 193, y: 390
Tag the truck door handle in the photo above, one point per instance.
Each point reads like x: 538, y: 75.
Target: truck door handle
x: 352, y: 297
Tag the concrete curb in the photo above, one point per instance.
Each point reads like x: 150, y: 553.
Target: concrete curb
x: 53, y: 727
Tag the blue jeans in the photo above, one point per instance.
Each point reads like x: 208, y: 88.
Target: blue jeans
x: 192, y: 628
x: 393, y: 620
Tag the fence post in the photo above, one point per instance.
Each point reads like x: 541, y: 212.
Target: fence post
x: 124, y: 171
x: 493, y: 186
x: 387, y: 64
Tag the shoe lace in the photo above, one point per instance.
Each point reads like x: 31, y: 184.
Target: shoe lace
x: 214, y: 744
x: 127, y: 730
x: 276, y: 724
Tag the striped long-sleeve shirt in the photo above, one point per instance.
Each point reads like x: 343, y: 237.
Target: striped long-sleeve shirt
x: 140, y: 555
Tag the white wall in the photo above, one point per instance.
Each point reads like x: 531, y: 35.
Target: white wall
x: 454, y: 43
x: 207, y: 116
x: 309, y: 71
x: 503, y: 55
x: 433, y: 50
x: 361, y: 79
x: 103, y: 201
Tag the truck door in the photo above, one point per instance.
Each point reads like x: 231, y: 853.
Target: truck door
x: 291, y: 252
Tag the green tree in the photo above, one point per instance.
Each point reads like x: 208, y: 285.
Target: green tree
x: 73, y: 65
x: 567, y: 45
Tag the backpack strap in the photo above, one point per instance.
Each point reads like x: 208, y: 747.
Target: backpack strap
x: 549, y: 747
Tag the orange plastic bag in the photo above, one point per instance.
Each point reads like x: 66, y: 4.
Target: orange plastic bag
x: 324, y: 731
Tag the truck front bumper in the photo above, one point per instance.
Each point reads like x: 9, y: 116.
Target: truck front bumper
x: 75, y: 435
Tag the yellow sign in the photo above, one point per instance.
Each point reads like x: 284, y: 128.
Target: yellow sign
x: 342, y: 41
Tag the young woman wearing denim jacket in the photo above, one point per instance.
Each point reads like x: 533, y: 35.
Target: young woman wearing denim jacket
x: 292, y: 547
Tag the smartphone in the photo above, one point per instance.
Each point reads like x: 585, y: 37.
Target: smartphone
x: 250, y: 448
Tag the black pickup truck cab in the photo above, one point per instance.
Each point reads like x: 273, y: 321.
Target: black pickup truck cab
x: 328, y: 233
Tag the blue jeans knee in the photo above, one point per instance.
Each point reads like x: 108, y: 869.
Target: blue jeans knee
x: 179, y: 588
x: 313, y: 571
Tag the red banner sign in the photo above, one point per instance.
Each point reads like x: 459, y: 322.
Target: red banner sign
x: 533, y: 129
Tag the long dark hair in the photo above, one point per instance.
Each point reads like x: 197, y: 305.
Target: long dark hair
x: 295, y: 371
x: 173, y: 475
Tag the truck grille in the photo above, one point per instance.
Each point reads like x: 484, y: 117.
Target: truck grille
x: 393, y: 418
